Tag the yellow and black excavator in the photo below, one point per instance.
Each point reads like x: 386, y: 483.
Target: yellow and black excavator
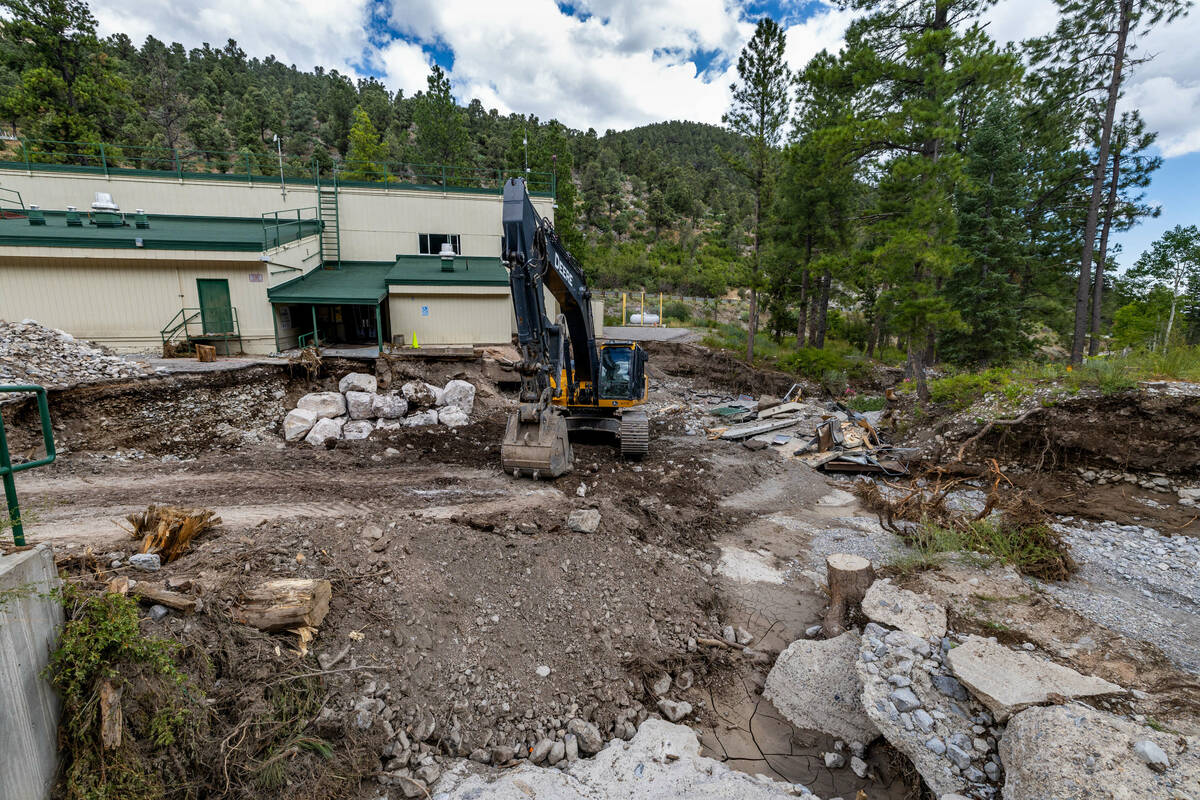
x: 569, y: 381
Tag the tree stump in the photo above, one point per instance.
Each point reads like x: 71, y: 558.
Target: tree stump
x: 283, y: 604
x: 849, y: 578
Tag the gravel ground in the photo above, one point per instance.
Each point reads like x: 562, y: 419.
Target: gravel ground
x: 1137, y: 581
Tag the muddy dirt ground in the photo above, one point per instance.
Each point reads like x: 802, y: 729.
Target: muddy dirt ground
x: 455, y: 585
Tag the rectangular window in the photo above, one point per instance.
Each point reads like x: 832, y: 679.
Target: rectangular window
x: 431, y: 243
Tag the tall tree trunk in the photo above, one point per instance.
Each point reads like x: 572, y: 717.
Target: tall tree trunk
x: 802, y: 312
x: 1089, y: 232
x: 822, y: 310
x: 915, y: 367
x: 754, y: 271
x: 1098, y: 279
x: 873, y: 336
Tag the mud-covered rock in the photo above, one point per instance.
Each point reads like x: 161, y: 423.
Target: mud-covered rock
x: 389, y: 405
x: 358, y: 429
x: 584, y: 520
x: 421, y: 394
x: 325, y: 405
x: 428, y: 417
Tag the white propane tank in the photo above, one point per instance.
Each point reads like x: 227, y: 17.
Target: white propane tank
x: 643, y: 319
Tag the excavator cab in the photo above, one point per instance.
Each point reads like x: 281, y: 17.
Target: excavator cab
x: 622, y: 374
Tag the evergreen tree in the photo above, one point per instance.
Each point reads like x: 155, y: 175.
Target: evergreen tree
x: 759, y: 113
x: 1173, y: 261
x: 366, y: 153
x: 442, y: 136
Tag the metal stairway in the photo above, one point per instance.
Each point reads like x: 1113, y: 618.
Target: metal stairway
x: 331, y: 238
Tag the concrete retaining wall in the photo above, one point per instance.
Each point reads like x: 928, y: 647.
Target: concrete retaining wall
x: 29, y: 708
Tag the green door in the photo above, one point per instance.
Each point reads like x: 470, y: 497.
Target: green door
x: 216, y: 312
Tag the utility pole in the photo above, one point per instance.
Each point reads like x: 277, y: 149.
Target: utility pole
x: 279, y: 152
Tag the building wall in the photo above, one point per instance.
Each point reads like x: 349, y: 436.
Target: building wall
x: 376, y: 224
x: 450, y: 314
x: 124, y: 302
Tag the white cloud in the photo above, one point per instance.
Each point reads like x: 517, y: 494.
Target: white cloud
x: 821, y: 31
x: 307, y: 33
x: 404, y: 65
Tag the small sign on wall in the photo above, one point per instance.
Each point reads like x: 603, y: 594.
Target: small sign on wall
x: 285, y: 317
x: 424, y: 311
x: 256, y: 277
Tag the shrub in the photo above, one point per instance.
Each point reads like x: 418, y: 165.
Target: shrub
x: 678, y: 310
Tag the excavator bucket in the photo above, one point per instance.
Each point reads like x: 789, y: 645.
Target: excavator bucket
x: 536, y: 445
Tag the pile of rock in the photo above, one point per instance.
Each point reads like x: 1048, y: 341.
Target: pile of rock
x: 357, y: 408
x: 975, y: 717
x: 33, y: 353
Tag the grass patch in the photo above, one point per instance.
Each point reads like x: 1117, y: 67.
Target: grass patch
x: 865, y: 403
x: 1033, y: 549
x: 833, y: 366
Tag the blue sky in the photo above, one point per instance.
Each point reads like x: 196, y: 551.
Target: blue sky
x: 622, y: 63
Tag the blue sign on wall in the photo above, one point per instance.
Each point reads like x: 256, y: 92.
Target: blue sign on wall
x: 424, y: 311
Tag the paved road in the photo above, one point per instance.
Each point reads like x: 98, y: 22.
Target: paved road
x: 649, y: 334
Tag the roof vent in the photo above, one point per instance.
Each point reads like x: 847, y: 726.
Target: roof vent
x: 140, y: 219
x: 36, y: 215
x: 447, y: 256
x: 104, y: 202
x: 73, y: 218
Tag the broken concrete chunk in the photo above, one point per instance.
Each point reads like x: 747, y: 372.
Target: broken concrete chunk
x: 298, y: 423
x: 324, y: 404
x: 388, y: 406
x: 1082, y: 752
x: 147, y: 562
x: 815, y: 686
x: 453, y: 417
x: 358, y: 429
x: 674, y: 711
x: 584, y: 520
x: 890, y: 605
x: 1007, y: 681
x: 360, y: 404
x: 460, y: 394
x: 358, y: 382
x: 325, y: 430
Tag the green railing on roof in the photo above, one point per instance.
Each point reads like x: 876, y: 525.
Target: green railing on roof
x: 50, y: 155
x: 7, y: 207
x: 288, y: 225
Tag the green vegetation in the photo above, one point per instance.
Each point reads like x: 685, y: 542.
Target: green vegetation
x: 1033, y: 549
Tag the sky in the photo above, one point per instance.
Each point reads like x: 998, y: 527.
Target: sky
x: 622, y: 63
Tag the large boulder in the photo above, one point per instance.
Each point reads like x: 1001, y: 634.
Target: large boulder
x: 890, y: 605
x: 938, y: 732
x: 815, y: 685
x: 358, y: 429
x: 1007, y: 681
x: 358, y: 382
x: 1075, y: 751
x: 360, y: 404
x: 298, y: 423
x: 453, y: 417
x: 388, y: 406
x: 459, y: 393
x: 421, y: 394
x: 661, y: 762
x: 421, y: 418
x: 325, y: 430
x: 324, y: 404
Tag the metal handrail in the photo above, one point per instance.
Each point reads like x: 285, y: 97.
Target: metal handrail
x: 189, y: 315
x: 273, y: 228
x: 18, y: 196
x: 7, y: 468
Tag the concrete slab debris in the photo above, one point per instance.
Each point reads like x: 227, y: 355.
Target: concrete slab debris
x: 1081, y: 752
x: 662, y: 762
x: 1007, y: 681
x: 890, y: 605
x: 814, y: 684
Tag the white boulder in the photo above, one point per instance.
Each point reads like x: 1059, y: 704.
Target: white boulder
x: 815, y: 685
x: 388, y: 406
x: 358, y: 429
x: 298, y: 423
x: 325, y: 430
x: 360, y: 404
x: 358, y: 382
x: 453, y: 417
x: 324, y: 404
x: 420, y: 418
x: 459, y: 393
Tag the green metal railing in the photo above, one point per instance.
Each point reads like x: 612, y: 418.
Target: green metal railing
x: 279, y: 227
x: 253, y: 167
x: 7, y: 468
x: 9, y: 194
x: 186, y: 317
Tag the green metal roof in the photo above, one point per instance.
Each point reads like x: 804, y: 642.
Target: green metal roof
x: 355, y: 284
x: 428, y: 271
x: 166, y: 232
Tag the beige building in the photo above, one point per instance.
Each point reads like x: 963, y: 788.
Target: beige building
x: 248, y: 265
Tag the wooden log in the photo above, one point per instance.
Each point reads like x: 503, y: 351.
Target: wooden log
x: 849, y: 578
x: 111, y: 719
x: 287, y: 603
x: 163, y: 596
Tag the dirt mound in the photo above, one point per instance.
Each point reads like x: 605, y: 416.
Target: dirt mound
x: 33, y: 353
x: 713, y: 369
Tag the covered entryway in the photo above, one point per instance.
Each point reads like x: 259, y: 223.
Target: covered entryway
x: 332, y: 308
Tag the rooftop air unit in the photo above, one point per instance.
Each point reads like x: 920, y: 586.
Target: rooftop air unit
x: 447, y: 256
x: 105, y: 211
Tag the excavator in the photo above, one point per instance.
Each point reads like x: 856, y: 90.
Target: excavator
x: 570, y: 382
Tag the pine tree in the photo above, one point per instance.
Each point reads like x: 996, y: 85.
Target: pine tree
x: 759, y: 113
x: 442, y: 136
x: 366, y: 154
x: 1173, y: 261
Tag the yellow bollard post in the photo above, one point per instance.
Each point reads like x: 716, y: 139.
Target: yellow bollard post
x: 623, y: 317
x: 661, y: 321
x: 643, y: 306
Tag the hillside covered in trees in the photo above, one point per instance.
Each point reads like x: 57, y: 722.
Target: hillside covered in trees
x: 926, y: 188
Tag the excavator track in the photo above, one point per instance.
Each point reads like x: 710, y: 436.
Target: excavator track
x: 635, y: 434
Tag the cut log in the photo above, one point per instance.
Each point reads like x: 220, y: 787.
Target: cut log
x: 287, y: 603
x: 111, y: 720
x: 849, y: 578
x: 158, y: 594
